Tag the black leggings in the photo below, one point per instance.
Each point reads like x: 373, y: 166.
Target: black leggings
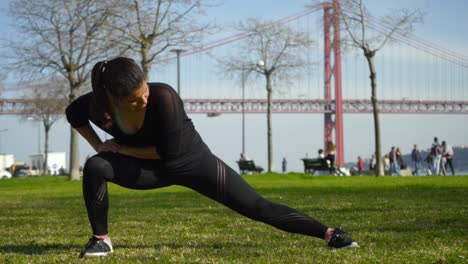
x: 209, y: 176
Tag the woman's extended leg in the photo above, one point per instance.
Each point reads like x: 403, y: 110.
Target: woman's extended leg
x: 218, y: 181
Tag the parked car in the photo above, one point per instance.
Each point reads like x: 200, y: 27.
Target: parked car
x: 5, y: 174
x: 21, y: 171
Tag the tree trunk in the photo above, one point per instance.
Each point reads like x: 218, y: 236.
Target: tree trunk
x: 74, y: 144
x: 46, y: 144
x: 74, y: 155
x: 270, y: 141
x: 375, y: 106
x: 145, y: 65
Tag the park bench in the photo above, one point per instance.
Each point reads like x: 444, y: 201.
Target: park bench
x: 246, y: 166
x: 313, y: 165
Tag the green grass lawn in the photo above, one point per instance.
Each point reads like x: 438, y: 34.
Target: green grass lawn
x: 394, y: 219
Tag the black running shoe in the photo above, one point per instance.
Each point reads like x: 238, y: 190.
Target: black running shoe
x: 96, y: 247
x: 339, y: 239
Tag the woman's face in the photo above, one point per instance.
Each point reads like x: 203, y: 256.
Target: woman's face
x: 137, y: 100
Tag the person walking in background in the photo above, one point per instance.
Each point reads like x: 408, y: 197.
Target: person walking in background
x: 360, y: 165
x: 447, y: 153
x: 284, y: 164
x: 331, y: 152
x: 436, y: 156
x: 394, y: 166
x: 386, y: 163
x: 372, y: 163
x: 443, y: 164
x: 155, y: 145
x: 416, y: 158
x: 401, y: 162
x: 429, y: 160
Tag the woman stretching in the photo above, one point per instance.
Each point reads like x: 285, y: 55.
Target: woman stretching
x: 155, y: 145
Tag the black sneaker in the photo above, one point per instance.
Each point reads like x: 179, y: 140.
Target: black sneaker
x: 339, y: 239
x: 96, y: 247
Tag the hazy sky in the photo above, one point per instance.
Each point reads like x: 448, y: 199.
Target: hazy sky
x: 293, y: 134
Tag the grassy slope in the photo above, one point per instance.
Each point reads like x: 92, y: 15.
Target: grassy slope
x: 395, y: 220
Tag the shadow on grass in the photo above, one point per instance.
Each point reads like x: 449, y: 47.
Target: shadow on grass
x: 35, y: 249
x: 176, y: 246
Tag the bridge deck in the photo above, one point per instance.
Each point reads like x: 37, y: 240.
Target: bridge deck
x: 21, y: 106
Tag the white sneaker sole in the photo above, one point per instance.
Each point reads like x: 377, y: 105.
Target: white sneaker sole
x: 352, y: 245
x: 94, y: 255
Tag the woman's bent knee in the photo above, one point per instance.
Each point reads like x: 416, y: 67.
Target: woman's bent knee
x: 97, y: 166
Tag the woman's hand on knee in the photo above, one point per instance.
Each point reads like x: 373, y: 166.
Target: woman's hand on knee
x: 109, y: 146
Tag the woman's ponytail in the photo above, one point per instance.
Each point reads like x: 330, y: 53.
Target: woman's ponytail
x: 100, y: 107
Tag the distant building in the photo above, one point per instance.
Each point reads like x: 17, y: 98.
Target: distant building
x: 56, y: 162
x: 6, y: 160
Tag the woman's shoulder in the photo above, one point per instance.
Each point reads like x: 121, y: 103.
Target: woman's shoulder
x: 86, y: 95
x: 82, y: 100
x: 160, y: 87
x: 78, y: 110
x: 162, y: 92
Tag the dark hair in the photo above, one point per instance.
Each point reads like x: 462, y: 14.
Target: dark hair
x: 116, y: 79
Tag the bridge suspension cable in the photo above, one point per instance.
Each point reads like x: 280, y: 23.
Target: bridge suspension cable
x: 408, y: 38
x: 243, y: 35
x: 415, y: 42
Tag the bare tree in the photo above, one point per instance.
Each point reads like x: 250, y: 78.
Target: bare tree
x: 49, y: 100
x: 150, y: 27
x: 274, y: 51
x: 2, y: 86
x: 370, y: 35
x: 3, y: 77
x: 61, y: 37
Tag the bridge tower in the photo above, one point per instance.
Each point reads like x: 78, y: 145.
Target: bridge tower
x: 337, y: 112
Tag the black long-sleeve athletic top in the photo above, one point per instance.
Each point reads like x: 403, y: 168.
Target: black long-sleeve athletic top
x: 165, y: 126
